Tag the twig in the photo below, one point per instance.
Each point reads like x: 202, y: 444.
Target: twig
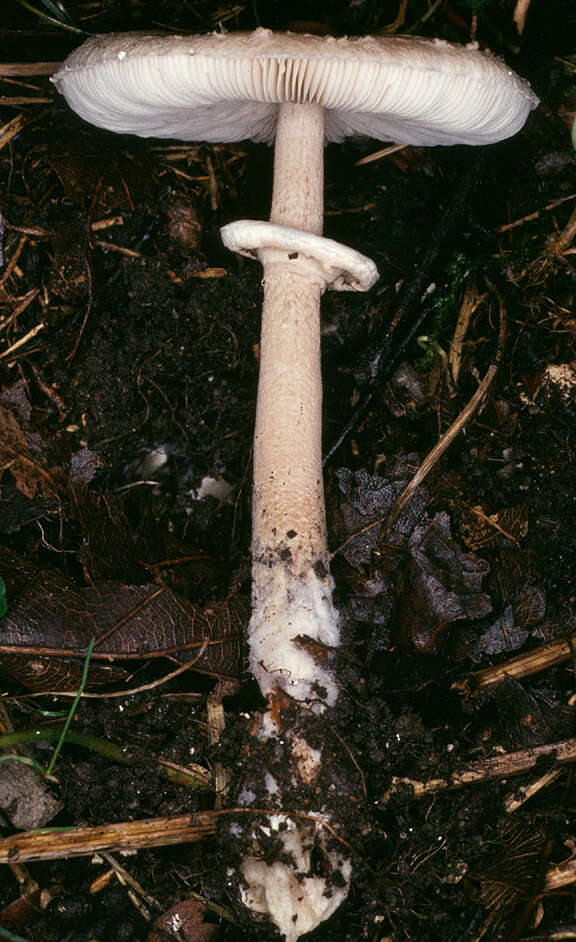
x: 433, y: 457
x: 426, y: 16
x: 56, y: 843
x: 559, y: 876
x: 521, y: 795
x: 381, y: 355
x: 216, y: 724
x: 12, y: 128
x: 15, y: 257
x: 129, y: 692
x: 142, y: 900
x: 532, y: 216
x: 486, y: 770
x: 23, y: 302
x: 561, y: 244
x: 520, y: 14
x: 470, y: 303
x: 399, y: 19
x: 112, y: 247
x: 490, y: 520
x: 378, y: 154
x: 441, y: 445
x: 38, y: 470
x: 51, y: 844
x: 17, y: 100
x: 524, y: 665
x: 29, y: 68
x: 20, y: 343
x: 196, y: 777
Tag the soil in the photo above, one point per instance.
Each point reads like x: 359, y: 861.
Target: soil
x: 128, y: 370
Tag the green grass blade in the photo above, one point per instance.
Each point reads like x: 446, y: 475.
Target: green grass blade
x: 55, y: 20
x: 72, y: 711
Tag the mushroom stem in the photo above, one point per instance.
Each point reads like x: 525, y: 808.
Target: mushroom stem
x: 291, y: 584
x: 298, y: 190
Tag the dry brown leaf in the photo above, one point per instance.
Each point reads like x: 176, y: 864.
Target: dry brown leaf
x: 50, y: 623
x: 19, y: 454
x: 184, y: 922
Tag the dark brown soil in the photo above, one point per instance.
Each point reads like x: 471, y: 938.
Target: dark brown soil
x: 148, y: 346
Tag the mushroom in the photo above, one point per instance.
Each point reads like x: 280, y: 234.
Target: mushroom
x: 300, y: 90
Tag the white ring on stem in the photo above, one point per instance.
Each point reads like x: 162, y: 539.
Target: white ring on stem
x: 339, y: 267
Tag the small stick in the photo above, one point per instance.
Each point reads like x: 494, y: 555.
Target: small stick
x: 561, y: 244
x: 536, y: 215
x: 11, y: 129
x: 433, y: 457
x: 470, y: 302
x: 54, y: 843
x: 524, y: 665
x: 561, y: 875
x: 440, y: 447
x: 216, y: 724
x: 51, y: 844
x: 111, y: 247
x: 128, y: 692
x: 399, y: 20
x: 486, y: 770
x: 127, y: 879
x: 378, y: 154
x: 12, y: 264
x: 20, y: 343
x: 18, y: 100
x: 519, y: 797
x: 29, y: 68
x: 23, y: 302
x: 380, y: 357
x: 520, y: 14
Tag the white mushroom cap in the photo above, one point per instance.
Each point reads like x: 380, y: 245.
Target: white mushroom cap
x: 227, y: 87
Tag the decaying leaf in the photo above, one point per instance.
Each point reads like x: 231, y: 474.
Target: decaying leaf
x: 368, y: 498
x: 442, y: 585
x: 421, y: 581
x: 23, y: 911
x: 17, y: 510
x: 503, y: 635
x: 482, y: 529
x: 512, y: 878
x: 184, y: 922
x: 49, y: 618
x: 184, y: 224
x: 510, y: 631
x: 21, y: 448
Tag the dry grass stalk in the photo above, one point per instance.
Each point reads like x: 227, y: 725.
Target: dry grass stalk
x: 50, y: 844
x: 436, y: 453
x: 561, y: 875
x: 497, y: 767
x: 28, y: 68
x: 470, y: 302
x: 524, y: 665
x: 434, y: 456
